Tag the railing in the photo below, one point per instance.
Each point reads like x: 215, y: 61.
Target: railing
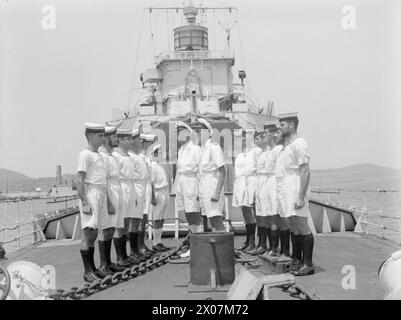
x: 196, y: 55
x: 377, y: 211
x: 32, y: 219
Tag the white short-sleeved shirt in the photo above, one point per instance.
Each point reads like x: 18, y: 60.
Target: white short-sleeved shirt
x: 240, y: 165
x: 93, y: 165
x: 251, y: 157
x: 112, y: 165
x: 261, y: 161
x: 148, y: 163
x: 292, y: 157
x: 271, y: 159
x: 126, y: 166
x: 188, y: 158
x: 140, y: 168
x: 158, y: 177
x: 211, y: 158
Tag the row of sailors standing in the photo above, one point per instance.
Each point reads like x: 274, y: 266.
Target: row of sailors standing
x: 117, y: 183
x: 200, y: 178
x: 272, y: 188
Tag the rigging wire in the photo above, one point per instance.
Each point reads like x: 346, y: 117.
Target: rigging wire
x: 131, y: 91
x: 243, y: 57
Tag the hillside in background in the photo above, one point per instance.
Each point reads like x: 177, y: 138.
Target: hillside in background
x: 359, y: 176
x: 20, y: 182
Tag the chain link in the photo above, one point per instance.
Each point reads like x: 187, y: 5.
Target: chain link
x: 87, y: 290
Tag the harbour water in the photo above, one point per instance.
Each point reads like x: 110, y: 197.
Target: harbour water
x: 388, y: 203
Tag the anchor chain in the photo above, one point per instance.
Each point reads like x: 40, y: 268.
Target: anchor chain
x: 77, y: 293
x: 299, y: 292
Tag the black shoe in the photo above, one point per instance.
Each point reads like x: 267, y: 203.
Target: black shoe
x: 123, y: 263
x: 258, y: 251
x: 249, y: 248
x: 164, y: 247
x: 135, y: 258
x: 91, y: 277
x: 157, y: 248
x: 103, y: 271
x: 305, y: 270
x: 145, y: 253
x: 116, y: 268
x: 243, y: 247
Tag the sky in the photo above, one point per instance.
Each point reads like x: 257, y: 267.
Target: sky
x: 345, y: 83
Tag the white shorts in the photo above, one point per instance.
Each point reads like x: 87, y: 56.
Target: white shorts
x: 140, y: 191
x: 115, y: 195
x: 129, y: 199
x: 265, y: 196
x: 187, y: 193
x: 250, y: 189
x: 148, y: 197
x: 240, y: 194
x: 208, y: 184
x: 97, y: 200
x: 163, y: 199
x: 287, y: 195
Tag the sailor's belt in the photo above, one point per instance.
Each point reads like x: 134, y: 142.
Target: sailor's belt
x: 113, y: 180
x: 268, y: 174
x: 94, y: 185
x: 292, y: 171
x: 140, y: 180
x: 160, y: 188
x: 127, y: 180
x: 188, y: 174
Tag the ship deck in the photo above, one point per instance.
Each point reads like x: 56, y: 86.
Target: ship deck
x: 332, y: 253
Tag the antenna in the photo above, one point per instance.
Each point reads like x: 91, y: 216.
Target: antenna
x: 228, y: 26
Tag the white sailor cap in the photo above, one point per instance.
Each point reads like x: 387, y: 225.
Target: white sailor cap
x: 238, y: 133
x: 271, y: 127
x: 156, y: 147
x: 289, y: 116
x: 110, y: 131
x: 148, y: 137
x: 91, y: 127
x: 206, y: 124
x: 181, y: 124
x: 135, y: 133
x: 123, y: 133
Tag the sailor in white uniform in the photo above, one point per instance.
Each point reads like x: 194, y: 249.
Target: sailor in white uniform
x: 295, y: 161
x: 264, y: 207
x: 147, y: 141
x: 212, y: 174
x: 160, y: 186
x: 240, y: 193
x: 114, y: 202
x: 141, y: 176
x: 91, y: 188
x: 126, y: 177
x: 186, y: 183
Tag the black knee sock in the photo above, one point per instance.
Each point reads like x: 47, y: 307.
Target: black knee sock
x: 269, y: 237
x: 141, y: 240
x: 108, y: 251
x: 86, y: 259
x: 260, y: 231
x: 248, y: 232
x: 102, y: 253
x: 275, y: 240
x: 252, y: 229
x: 92, y: 257
x: 124, y: 246
x: 119, y: 246
x: 133, y: 241
x: 263, y: 237
x: 308, y: 249
x: 285, y: 242
x: 299, y: 245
